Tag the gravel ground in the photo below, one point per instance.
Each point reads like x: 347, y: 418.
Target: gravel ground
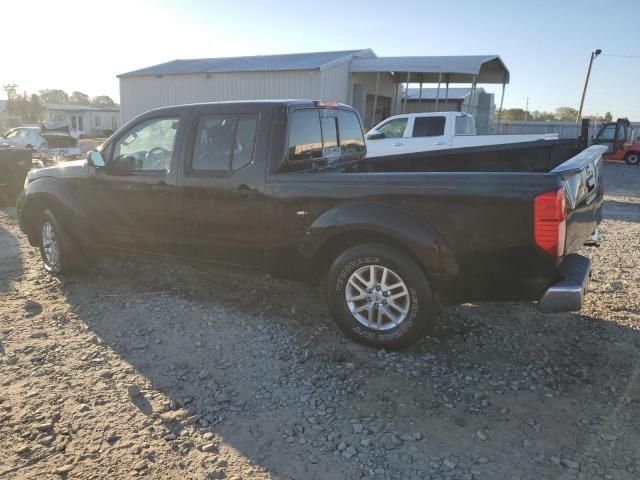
x: 146, y: 367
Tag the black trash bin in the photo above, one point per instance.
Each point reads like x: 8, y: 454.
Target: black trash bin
x: 14, y: 165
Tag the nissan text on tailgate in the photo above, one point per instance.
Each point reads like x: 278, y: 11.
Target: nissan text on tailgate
x: 285, y: 188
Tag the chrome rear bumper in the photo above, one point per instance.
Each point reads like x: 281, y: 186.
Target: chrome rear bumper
x: 567, y: 295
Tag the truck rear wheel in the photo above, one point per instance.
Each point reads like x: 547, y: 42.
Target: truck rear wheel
x: 632, y: 158
x: 57, y: 249
x: 379, y: 296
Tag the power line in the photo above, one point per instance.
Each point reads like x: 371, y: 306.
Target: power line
x: 619, y: 55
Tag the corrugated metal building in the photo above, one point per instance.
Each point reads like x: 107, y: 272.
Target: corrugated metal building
x: 322, y: 75
x: 355, y: 77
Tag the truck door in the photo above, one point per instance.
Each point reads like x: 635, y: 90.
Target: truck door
x: 221, y: 185
x: 621, y: 136
x: 296, y: 197
x: 388, y: 138
x: 132, y: 201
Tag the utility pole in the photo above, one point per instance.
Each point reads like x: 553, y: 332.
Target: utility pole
x: 586, y: 82
x: 526, y: 110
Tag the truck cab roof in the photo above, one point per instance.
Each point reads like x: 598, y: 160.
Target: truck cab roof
x: 273, y: 103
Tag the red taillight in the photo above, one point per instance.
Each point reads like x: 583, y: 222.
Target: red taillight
x: 550, y: 222
x: 326, y: 103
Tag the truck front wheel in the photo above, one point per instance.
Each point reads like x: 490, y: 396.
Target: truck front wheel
x: 379, y: 296
x: 57, y: 249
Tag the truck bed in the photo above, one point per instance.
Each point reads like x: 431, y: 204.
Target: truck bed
x: 538, y: 156
x: 479, y: 200
x: 463, y: 141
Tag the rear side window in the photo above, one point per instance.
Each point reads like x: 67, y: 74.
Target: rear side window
x: 351, y: 137
x: 224, y: 142
x: 465, y: 125
x: 329, y: 137
x: 305, y: 136
x: 245, y: 141
x: 324, y: 134
x: 428, y: 126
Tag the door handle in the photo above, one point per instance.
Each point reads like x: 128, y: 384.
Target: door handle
x: 161, y: 186
x: 243, y: 191
x: 397, y: 144
x: 438, y: 143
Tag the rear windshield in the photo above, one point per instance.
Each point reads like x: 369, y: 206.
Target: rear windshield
x: 323, y: 135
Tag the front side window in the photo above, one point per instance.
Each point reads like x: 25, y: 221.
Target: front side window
x: 147, y: 146
x: 224, y: 142
x: 465, y: 125
x: 393, y: 128
x: 428, y: 126
x: 621, y: 135
x: 11, y: 134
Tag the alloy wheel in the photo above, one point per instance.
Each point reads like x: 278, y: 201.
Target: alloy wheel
x: 377, y: 297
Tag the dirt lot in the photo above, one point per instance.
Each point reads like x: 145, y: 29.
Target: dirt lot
x: 146, y: 367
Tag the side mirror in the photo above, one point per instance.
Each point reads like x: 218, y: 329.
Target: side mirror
x: 376, y: 136
x: 94, y: 158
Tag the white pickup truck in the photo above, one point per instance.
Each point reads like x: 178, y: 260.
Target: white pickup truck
x: 421, y: 132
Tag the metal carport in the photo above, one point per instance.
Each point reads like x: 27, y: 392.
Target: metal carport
x: 471, y: 69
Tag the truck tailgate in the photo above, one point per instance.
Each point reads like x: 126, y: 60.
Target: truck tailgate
x: 582, y: 179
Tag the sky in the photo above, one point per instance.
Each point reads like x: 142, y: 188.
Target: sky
x: 83, y: 45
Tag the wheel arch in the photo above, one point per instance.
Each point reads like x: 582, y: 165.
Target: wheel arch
x: 51, y: 194
x: 357, y: 223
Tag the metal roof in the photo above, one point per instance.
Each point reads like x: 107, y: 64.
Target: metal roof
x: 81, y: 108
x: 261, y: 63
x: 431, y: 93
x: 454, y: 69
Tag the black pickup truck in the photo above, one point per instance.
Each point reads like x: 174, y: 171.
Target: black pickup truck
x: 284, y: 188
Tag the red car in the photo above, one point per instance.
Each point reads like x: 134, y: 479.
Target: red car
x: 619, y: 137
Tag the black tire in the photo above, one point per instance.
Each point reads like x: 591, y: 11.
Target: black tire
x: 69, y: 257
x: 419, y: 299
x: 632, y: 158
